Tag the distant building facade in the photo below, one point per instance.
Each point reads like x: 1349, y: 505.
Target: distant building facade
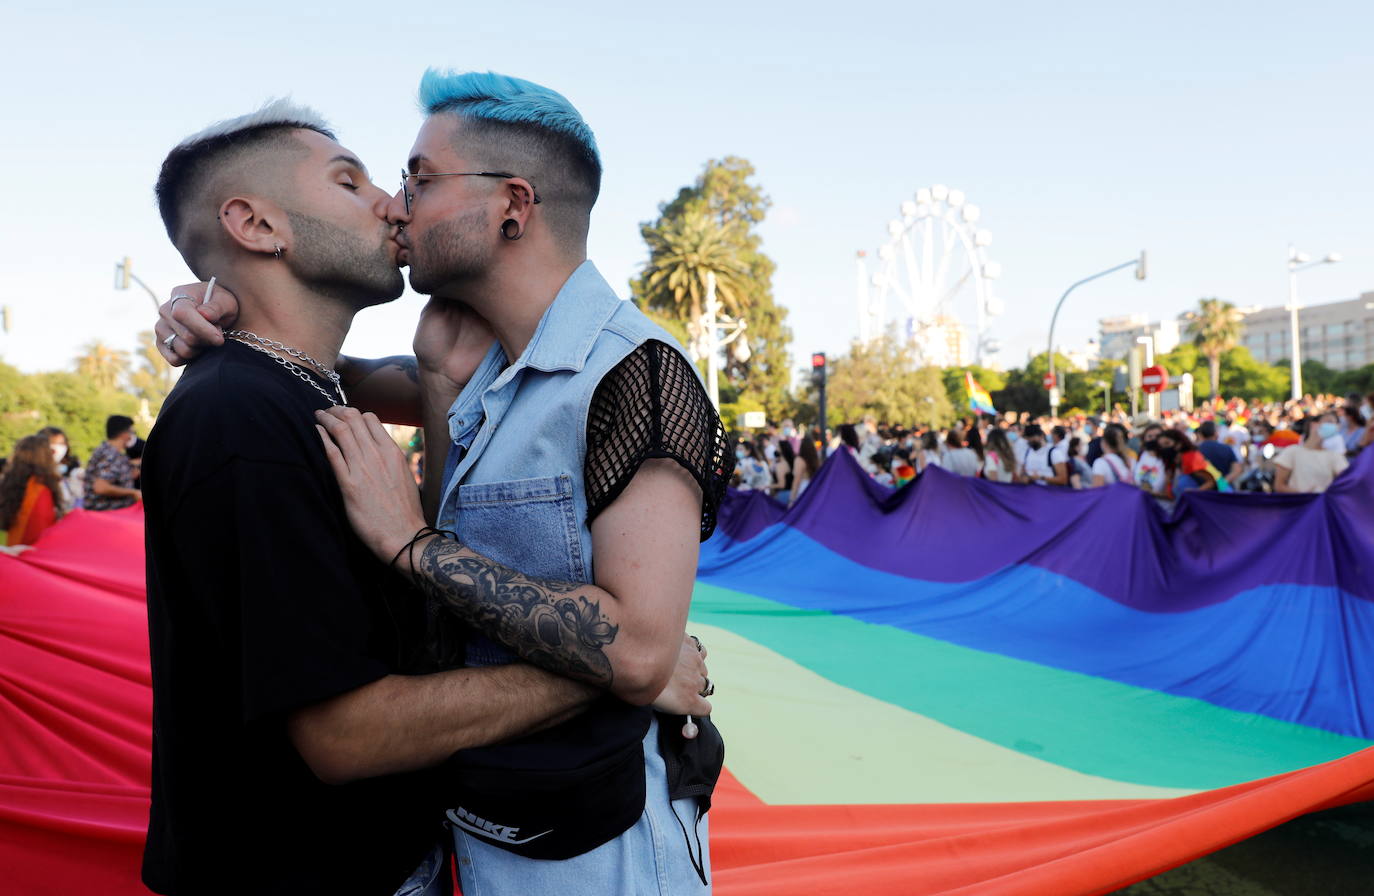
x: 1338, y: 334
x: 1118, y: 335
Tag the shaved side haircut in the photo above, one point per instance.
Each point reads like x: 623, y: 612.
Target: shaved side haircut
x: 509, y: 124
x: 226, y: 157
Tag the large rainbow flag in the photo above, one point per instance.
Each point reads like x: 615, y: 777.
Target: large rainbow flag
x: 956, y: 688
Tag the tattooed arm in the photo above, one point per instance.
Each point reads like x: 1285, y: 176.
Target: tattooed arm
x: 623, y: 633
x: 388, y: 387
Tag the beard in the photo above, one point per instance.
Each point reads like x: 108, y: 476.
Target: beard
x: 449, y: 252
x: 343, y: 265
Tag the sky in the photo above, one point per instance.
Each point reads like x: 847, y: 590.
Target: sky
x: 1211, y: 135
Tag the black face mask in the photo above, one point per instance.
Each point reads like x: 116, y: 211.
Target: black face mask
x: 1167, y: 453
x: 1151, y: 446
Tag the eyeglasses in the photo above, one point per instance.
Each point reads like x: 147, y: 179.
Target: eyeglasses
x: 410, y: 197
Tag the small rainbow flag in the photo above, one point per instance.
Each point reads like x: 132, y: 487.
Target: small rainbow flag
x: 978, y: 397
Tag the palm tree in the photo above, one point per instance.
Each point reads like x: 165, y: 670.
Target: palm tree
x: 1215, y: 328
x: 101, y: 365
x: 681, y: 254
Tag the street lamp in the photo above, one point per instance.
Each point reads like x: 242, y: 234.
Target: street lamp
x: 713, y: 331
x: 1138, y: 264
x: 1299, y: 261
x: 123, y: 274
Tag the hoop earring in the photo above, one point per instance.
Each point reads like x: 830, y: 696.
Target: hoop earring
x: 277, y: 251
x: 505, y: 229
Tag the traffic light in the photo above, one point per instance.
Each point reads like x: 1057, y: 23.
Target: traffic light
x: 818, y: 377
x: 818, y: 367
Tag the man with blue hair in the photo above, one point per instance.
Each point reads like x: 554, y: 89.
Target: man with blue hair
x: 570, y: 481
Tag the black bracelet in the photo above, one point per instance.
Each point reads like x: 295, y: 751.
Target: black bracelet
x: 410, y: 545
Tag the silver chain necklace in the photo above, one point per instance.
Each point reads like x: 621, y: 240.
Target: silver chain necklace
x: 260, y: 344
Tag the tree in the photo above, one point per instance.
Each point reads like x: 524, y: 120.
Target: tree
x: 712, y: 226
x: 102, y: 365
x: 152, y: 379
x: 1215, y: 328
x: 882, y: 378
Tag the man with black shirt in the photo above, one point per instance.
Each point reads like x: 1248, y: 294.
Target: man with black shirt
x: 288, y: 722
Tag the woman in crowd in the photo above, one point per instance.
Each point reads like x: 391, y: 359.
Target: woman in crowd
x: 929, y: 455
x: 1308, y: 466
x: 753, y: 472
x: 958, y: 458
x: 804, y: 467
x: 783, y: 462
x: 1078, y: 468
x: 30, y: 491
x: 974, y: 440
x: 1150, y: 472
x: 1113, y: 466
x: 1188, y: 468
x: 999, y: 462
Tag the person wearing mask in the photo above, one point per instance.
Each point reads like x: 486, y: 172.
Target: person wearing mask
x: 782, y: 471
x: 1188, y: 467
x: 30, y: 491
x: 804, y: 467
x: 959, y: 459
x: 999, y: 460
x: 754, y: 475
x: 68, y: 465
x: 1034, y: 460
x: 1112, y: 466
x: 1092, y: 431
x: 110, y: 475
x: 1307, y: 466
x: 1150, y: 472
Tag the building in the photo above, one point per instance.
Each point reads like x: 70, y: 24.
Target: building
x: 940, y: 342
x: 1118, y: 335
x: 1338, y: 334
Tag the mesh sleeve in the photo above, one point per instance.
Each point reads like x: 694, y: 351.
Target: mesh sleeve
x: 652, y: 405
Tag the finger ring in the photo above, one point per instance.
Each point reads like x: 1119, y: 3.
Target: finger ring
x: 697, y: 642
x: 708, y: 689
x: 170, y: 339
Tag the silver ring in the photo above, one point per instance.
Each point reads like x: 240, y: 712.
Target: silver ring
x: 709, y: 689
x: 170, y: 339
x: 697, y: 642
x: 177, y: 298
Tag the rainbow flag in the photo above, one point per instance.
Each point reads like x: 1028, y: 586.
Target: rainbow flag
x: 964, y: 687
x: 978, y: 397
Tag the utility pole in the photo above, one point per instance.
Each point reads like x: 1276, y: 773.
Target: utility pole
x: 818, y: 377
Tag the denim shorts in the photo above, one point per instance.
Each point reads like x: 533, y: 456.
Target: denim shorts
x: 430, y: 879
x: 655, y: 857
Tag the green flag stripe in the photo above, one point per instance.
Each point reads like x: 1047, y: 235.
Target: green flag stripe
x: 1081, y: 722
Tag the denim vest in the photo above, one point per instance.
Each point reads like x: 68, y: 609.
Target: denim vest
x: 513, y: 488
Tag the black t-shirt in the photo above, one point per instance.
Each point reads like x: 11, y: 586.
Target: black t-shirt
x: 261, y: 600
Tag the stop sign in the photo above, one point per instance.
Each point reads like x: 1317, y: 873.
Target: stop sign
x: 1154, y: 379
x: 1049, y: 381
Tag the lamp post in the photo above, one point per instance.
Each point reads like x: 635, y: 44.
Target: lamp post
x: 1299, y: 261
x: 1137, y: 263
x: 123, y: 274
x: 714, y: 331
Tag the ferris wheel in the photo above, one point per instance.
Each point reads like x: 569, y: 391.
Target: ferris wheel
x: 935, y: 255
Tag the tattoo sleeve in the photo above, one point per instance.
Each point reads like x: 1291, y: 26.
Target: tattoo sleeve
x: 543, y: 621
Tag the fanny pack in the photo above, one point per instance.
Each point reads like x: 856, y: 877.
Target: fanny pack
x: 542, y: 813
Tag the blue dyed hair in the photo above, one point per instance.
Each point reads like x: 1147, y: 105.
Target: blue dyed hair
x: 524, y: 120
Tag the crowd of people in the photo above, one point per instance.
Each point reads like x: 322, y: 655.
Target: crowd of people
x: 1287, y: 447
x: 43, y: 479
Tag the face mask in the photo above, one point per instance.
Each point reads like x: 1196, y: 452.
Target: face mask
x: 1167, y: 453
x: 1328, y: 430
x: 1013, y: 437
x: 740, y: 454
x: 59, y: 452
x: 62, y: 469
x: 788, y: 432
x: 1366, y: 412
x: 1151, y: 445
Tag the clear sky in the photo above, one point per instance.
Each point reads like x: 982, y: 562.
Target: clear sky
x: 1211, y: 134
